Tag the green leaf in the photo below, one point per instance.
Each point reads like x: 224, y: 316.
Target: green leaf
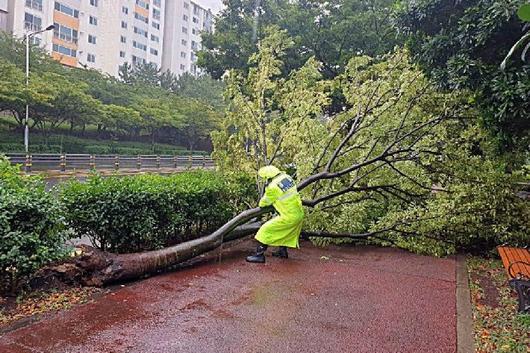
x: 524, y: 12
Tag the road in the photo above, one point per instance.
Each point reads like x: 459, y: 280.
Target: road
x: 362, y: 300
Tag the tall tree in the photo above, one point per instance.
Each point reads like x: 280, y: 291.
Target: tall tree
x: 460, y: 45
x: 264, y: 107
x: 203, y: 88
x: 199, y: 121
x: 13, y: 94
x: 332, y: 32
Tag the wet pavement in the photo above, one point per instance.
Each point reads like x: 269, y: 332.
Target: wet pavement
x: 320, y: 300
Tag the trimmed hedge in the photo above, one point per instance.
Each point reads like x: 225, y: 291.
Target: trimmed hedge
x: 32, y: 230
x: 145, y: 212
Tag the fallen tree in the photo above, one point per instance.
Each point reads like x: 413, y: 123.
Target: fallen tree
x: 391, y: 148
x: 396, y: 138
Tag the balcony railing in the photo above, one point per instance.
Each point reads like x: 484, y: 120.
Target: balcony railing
x: 37, y: 5
x: 65, y: 37
x: 31, y: 26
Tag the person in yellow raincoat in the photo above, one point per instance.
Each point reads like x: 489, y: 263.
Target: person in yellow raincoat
x: 283, y: 230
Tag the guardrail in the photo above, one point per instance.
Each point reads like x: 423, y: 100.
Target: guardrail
x: 77, y: 162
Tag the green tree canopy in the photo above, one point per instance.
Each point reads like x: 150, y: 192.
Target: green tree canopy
x: 146, y: 101
x: 460, y: 45
x: 404, y: 162
x: 332, y: 32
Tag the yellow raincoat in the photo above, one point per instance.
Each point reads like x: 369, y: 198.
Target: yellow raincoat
x: 281, y: 193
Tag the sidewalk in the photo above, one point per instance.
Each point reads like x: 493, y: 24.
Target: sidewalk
x: 321, y: 300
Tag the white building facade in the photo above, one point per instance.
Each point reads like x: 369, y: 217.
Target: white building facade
x: 3, y: 15
x: 104, y: 34
x: 184, y: 23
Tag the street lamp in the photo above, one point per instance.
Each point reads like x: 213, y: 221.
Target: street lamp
x: 26, y: 121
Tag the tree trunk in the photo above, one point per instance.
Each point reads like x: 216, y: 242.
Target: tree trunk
x: 96, y: 268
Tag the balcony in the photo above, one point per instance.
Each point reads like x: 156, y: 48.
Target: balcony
x: 32, y: 27
x: 65, y: 37
x: 33, y: 4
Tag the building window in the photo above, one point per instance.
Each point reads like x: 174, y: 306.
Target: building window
x: 140, y: 31
x: 194, y: 31
x: 195, y: 20
x: 182, y: 67
x: 32, y: 23
x: 185, y: 17
x: 65, y: 33
x: 140, y: 17
x: 182, y: 54
x: 193, y: 45
x: 157, y: 3
x: 156, y: 25
x: 154, y: 51
x: 123, y: 24
x: 91, y: 39
x: 142, y: 4
x: 67, y: 10
x: 35, y: 40
x: 93, y: 20
x: 122, y: 54
x: 155, y: 38
x: 136, y: 60
x: 186, y: 5
x: 94, y: 3
x: 196, y: 9
x: 156, y: 14
x: 184, y: 30
x: 184, y: 42
x: 91, y: 58
x: 34, y: 4
x: 64, y: 50
x: 125, y: 10
x: 139, y: 45
x: 123, y: 39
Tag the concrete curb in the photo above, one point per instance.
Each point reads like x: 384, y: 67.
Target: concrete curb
x: 464, y: 318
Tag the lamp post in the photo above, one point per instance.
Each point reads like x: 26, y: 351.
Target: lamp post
x: 26, y: 120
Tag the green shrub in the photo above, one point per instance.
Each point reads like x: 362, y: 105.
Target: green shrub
x: 98, y: 149
x: 136, y: 213
x: 11, y: 147
x: 55, y: 143
x: 32, y: 230
x: 129, y: 151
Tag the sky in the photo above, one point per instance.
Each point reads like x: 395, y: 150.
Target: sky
x: 215, y: 5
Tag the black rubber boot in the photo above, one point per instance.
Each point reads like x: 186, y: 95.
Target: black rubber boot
x: 259, y: 257
x: 281, y: 252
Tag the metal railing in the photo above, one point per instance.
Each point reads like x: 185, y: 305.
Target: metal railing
x: 85, y: 162
x: 65, y: 37
x: 32, y: 27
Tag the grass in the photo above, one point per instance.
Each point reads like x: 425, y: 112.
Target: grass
x: 497, y: 325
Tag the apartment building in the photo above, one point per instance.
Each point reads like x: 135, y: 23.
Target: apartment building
x: 99, y: 34
x: 3, y: 15
x: 184, y: 22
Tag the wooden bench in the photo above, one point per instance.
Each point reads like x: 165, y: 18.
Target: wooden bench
x: 516, y: 261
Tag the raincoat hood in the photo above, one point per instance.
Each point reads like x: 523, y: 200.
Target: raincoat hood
x: 268, y: 172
